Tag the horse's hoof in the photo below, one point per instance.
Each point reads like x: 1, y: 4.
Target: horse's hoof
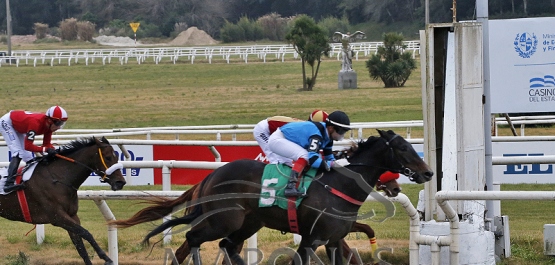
x: 109, y: 263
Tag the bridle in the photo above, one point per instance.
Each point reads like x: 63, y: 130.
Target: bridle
x: 402, y: 170
x: 103, y: 174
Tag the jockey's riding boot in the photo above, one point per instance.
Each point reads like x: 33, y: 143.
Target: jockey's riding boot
x: 9, y: 186
x: 291, y: 188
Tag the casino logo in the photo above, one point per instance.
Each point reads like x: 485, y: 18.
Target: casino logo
x: 525, y: 44
x: 539, y: 82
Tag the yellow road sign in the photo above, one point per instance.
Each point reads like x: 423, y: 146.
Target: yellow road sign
x: 134, y: 26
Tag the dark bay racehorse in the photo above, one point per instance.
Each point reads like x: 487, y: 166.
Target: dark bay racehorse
x: 162, y: 207
x: 229, y: 197
x: 52, y: 190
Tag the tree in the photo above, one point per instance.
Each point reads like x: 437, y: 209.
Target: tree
x: 391, y: 63
x: 310, y: 42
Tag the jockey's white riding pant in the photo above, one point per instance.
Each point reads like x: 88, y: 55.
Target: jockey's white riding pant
x: 261, y: 133
x: 283, y: 147
x: 14, y: 140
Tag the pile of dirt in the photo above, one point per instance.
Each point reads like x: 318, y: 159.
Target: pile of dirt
x: 28, y: 39
x: 19, y: 39
x: 191, y: 37
x: 115, y: 40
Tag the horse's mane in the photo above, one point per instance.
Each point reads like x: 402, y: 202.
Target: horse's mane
x: 364, y: 145
x: 77, y: 144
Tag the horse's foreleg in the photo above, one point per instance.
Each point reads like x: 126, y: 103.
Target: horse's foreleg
x: 72, y: 225
x: 334, y: 247
x: 231, y: 250
x: 360, y: 227
x: 78, y: 243
x: 301, y: 257
x: 237, y: 249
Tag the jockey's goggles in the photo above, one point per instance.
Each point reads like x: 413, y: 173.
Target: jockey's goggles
x: 340, y: 130
x: 58, y: 123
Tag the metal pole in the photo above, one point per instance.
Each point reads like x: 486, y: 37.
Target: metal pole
x: 427, y: 12
x: 454, y: 8
x: 9, y: 26
x: 482, y: 14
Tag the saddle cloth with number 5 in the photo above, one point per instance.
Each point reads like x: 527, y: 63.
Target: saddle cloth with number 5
x: 274, y: 180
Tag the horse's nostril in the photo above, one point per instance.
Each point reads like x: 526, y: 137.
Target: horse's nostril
x: 119, y: 185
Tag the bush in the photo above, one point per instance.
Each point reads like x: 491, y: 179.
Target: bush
x: 46, y: 40
x: 116, y: 27
x: 232, y: 33
x: 390, y: 63
x: 85, y: 30
x: 90, y: 17
x: 54, y: 31
x: 274, y: 27
x: 40, y: 30
x: 146, y: 30
x: 253, y: 30
x: 332, y: 25
x: 68, y: 29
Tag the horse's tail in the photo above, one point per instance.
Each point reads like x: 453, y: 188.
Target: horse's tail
x: 161, y: 207
x: 187, y: 219
x: 191, y: 213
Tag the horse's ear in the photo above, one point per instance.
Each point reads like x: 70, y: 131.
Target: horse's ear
x: 381, y: 132
x: 96, y: 140
x: 104, y: 140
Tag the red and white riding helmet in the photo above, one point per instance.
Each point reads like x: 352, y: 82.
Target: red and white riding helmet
x: 57, y: 113
x: 318, y: 116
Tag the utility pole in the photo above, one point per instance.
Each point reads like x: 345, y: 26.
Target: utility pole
x: 426, y: 12
x: 9, y: 26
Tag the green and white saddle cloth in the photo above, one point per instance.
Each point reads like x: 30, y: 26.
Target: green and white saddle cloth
x: 275, y: 179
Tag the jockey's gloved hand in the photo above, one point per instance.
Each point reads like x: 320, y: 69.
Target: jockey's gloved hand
x: 326, y: 165
x: 51, y: 151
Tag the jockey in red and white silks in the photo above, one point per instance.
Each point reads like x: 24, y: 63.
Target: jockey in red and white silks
x: 19, y: 129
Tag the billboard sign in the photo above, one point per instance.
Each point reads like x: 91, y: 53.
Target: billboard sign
x: 522, y: 65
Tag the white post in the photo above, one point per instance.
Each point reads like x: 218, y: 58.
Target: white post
x: 112, y: 230
x: 166, y: 186
x: 40, y: 233
x: 252, y: 243
x: 496, y: 210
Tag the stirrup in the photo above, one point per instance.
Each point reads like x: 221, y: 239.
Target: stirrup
x: 293, y: 193
x: 14, y: 187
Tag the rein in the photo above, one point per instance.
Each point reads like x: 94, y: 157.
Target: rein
x: 340, y: 194
x: 103, y: 174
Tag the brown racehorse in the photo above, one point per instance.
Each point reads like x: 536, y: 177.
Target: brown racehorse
x: 52, y: 190
x: 228, y: 204
x: 162, y: 207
